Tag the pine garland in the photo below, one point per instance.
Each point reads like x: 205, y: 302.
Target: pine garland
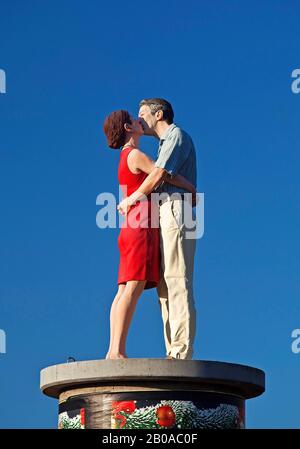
x: 188, y: 416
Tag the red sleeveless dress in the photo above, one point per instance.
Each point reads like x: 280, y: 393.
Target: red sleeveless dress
x: 138, y: 242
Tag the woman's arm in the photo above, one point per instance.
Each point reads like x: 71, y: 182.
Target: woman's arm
x: 180, y: 181
x: 137, y: 160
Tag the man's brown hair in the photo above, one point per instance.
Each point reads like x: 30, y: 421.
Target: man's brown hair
x: 159, y: 104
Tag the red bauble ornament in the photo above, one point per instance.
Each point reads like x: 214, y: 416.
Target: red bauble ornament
x: 165, y: 416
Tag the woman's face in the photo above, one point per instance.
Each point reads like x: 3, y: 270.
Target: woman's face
x: 136, y: 126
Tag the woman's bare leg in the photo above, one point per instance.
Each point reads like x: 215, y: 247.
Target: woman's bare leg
x: 124, y: 312
x: 113, y: 316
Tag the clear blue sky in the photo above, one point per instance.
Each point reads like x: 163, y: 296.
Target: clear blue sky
x: 226, y: 67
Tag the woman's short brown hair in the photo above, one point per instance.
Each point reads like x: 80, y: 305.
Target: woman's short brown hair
x: 114, y: 128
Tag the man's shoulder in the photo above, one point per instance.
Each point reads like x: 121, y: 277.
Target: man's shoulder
x: 177, y: 131
x: 180, y: 134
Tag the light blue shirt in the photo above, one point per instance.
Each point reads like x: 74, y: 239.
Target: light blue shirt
x: 177, y: 155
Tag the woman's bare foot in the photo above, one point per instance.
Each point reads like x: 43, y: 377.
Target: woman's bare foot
x: 116, y: 356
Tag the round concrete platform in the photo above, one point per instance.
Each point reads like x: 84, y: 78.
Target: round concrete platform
x: 250, y: 382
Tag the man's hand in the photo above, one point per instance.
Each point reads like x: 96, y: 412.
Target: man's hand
x: 124, y: 206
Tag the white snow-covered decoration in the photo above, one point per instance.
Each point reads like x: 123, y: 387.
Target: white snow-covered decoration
x: 179, y: 414
x: 65, y: 422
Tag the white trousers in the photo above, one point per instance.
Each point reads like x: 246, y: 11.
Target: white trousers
x: 175, y: 289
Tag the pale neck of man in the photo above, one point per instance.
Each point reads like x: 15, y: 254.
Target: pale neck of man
x: 161, y: 127
x: 132, y: 141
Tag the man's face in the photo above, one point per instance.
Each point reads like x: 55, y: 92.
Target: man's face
x: 148, y: 120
